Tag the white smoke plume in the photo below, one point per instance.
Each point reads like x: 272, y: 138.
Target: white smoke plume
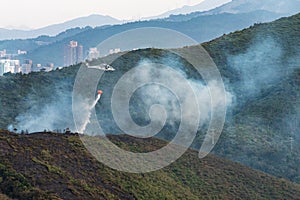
x: 259, y: 67
x: 87, y: 109
x: 159, y: 94
x: 51, y: 116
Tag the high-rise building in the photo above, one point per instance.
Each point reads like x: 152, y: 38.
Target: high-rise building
x: 26, y: 68
x: 112, y: 51
x: 3, y: 53
x: 28, y: 61
x: 21, y: 52
x: 93, y: 54
x: 7, y: 65
x: 79, y: 52
x: 73, y: 53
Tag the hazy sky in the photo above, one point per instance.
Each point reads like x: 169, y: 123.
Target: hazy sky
x: 39, y: 13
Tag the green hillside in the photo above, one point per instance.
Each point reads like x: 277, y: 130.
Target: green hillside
x: 30, y: 168
x: 260, y: 66
x: 259, y: 130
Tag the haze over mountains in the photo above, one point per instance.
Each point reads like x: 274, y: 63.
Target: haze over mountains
x: 287, y: 7
x: 213, y: 7
x: 52, y: 30
x: 203, y: 6
x: 208, y: 7
x: 199, y: 27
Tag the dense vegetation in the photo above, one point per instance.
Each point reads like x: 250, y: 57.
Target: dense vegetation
x: 262, y: 129
x: 32, y: 169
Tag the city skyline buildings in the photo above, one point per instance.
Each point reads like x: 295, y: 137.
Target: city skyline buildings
x: 73, y: 53
x: 7, y: 65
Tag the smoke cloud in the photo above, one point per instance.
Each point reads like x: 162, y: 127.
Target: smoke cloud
x: 56, y: 114
x: 259, y: 67
x: 168, y: 95
x: 47, y: 110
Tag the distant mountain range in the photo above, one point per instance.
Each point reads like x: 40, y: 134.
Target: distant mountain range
x: 212, y: 7
x: 52, y: 30
x: 201, y: 28
x: 201, y: 7
x: 207, y: 7
x: 280, y: 8
x: 287, y: 7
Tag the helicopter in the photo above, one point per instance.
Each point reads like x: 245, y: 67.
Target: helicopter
x: 103, y: 66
